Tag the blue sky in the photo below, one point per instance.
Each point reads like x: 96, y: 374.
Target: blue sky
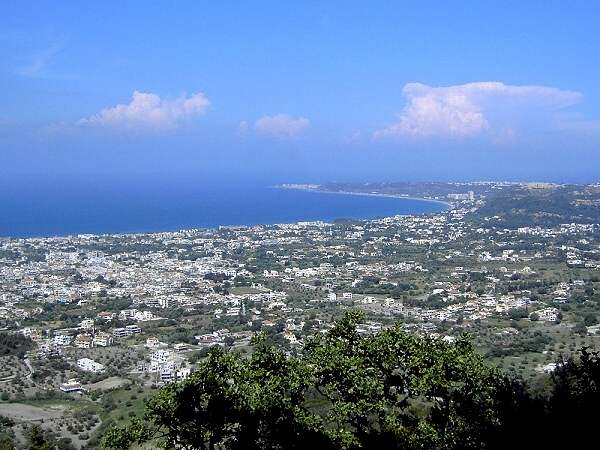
x: 303, y: 91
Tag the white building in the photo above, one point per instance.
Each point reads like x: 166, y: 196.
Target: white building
x: 133, y: 329
x: 549, y: 368
x: 120, y: 332
x: 84, y: 341
x: 71, y: 385
x: 62, y: 339
x: 548, y: 314
x: 127, y: 314
x: 143, y: 316
x: 152, y: 342
x: 168, y: 374
x: 164, y: 302
x: 160, y: 356
x: 102, y: 340
x: 89, y: 365
x: 127, y: 331
x: 87, y: 324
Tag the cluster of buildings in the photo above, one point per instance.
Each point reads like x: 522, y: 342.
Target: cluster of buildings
x: 288, y: 279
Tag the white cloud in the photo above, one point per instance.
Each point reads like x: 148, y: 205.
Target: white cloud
x: 243, y: 127
x: 149, y: 111
x: 472, y: 108
x: 281, y: 125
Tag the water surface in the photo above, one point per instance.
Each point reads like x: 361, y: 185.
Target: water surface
x: 63, y: 209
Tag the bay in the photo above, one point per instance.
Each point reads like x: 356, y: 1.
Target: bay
x: 65, y: 209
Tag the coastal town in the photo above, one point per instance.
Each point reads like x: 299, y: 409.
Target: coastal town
x: 94, y: 324
x: 299, y: 225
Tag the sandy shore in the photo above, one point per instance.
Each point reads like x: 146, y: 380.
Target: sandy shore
x: 368, y: 194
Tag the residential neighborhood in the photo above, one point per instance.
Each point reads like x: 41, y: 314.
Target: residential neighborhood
x: 104, y: 314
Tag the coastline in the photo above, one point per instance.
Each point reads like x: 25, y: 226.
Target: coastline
x: 448, y: 205
x: 182, y: 222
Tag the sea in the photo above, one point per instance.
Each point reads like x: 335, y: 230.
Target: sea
x: 34, y: 210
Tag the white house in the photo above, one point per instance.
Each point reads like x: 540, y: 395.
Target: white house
x: 119, y: 332
x: 160, y: 356
x: 71, y: 385
x: 548, y: 314
x: 83, y: 341
x: 152, y: 342
x: 87, y: 324
x: 62, y: 339
x: 143, y: 316
x: 133, y: 329
x: 89, y: 365
x: 102, y: 340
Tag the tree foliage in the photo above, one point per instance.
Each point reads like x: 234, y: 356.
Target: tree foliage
x: 574, y: 402
x: 346, y: 391
x: 14, y: 344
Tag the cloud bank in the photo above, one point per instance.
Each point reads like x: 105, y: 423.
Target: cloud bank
x: 473, y: 108
x: 280, y: 125
x: 148, y: 111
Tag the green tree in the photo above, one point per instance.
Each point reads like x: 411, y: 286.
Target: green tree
x: 346, y: 391
x: 575, y: 397
x: 36, y: 440
x: 580, y: 328
x: 7, y: 443
x: 590, y: 319
x: 517, y: 313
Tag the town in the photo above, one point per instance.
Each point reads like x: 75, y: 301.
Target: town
x: 94, y: 324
